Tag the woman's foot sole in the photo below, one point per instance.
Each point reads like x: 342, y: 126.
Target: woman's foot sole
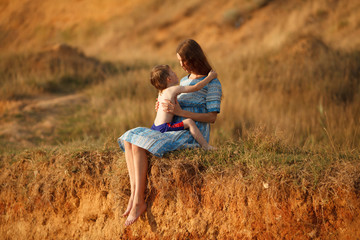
x: 128, y: 209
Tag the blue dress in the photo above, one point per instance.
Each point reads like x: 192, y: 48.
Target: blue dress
x: 203, y: 101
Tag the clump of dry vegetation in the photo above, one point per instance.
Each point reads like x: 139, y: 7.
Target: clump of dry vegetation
x: 60, y: 69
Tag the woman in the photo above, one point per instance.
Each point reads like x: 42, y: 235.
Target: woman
x: 201, y: 106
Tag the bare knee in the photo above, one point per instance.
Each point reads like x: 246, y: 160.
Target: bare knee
x: 188, y: 123
x: 137, y: 150
x: 128, y: 146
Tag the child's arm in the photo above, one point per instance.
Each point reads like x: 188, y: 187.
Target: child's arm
x: 186, y: 89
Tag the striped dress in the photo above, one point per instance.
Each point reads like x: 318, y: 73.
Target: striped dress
x: 205, y: 100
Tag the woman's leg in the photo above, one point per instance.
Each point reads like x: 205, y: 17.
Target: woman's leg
x: 141, y: 166
x: 131, y: 170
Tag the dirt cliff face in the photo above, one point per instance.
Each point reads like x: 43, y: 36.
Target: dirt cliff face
x: 82, y: 195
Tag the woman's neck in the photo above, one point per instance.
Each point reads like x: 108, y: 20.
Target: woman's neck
x: 195, y: 76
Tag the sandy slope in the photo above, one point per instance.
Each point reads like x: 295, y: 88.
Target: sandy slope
x: 148, y: 29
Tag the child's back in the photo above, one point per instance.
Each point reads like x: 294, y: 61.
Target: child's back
x: 161, y: 115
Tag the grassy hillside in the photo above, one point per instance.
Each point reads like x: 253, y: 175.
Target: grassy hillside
x: 305, y: 95
x: 152, y: 29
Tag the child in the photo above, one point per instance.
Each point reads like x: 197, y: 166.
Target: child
x: 165, y: 80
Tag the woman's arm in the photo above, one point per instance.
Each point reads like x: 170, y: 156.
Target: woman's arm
x: 177, y: 110
x: 199, y: 117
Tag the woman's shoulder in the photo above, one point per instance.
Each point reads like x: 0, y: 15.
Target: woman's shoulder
x: 185, y: 78
x: 215, y: 81
x: 185, y: 81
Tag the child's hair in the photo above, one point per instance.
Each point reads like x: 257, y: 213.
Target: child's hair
x: 159, y: 75
x: 191, y: 53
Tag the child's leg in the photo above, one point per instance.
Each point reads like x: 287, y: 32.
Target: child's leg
x: 195, y: 132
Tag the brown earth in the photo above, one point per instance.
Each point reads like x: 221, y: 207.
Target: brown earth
x: 21, y: 120
x: 82, y: 196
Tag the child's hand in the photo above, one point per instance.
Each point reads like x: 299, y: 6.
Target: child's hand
x: 157, y: 105
x: 212, y: 74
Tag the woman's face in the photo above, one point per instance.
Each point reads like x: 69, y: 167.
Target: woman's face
x: 181, y: 62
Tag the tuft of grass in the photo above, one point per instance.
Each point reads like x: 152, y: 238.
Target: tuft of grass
x: 233, y: 17
x: 343, y: 24
x: 295, y: 168
x: 238, y: 15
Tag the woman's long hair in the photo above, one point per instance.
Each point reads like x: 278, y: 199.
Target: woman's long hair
x: 194, y: 57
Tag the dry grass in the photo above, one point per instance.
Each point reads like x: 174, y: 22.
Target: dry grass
x: 308, y: 99
x: 305, y: 95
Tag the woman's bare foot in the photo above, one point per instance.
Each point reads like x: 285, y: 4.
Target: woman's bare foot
x: 135, y: 213
x: 129, y: 206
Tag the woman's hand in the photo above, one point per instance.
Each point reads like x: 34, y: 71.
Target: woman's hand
x: 171, y: 107
x: 175, y: 109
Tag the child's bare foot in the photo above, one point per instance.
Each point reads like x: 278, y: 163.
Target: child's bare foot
x: 129, y: 206
x: 135, y: 213
x: 208, y: 147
